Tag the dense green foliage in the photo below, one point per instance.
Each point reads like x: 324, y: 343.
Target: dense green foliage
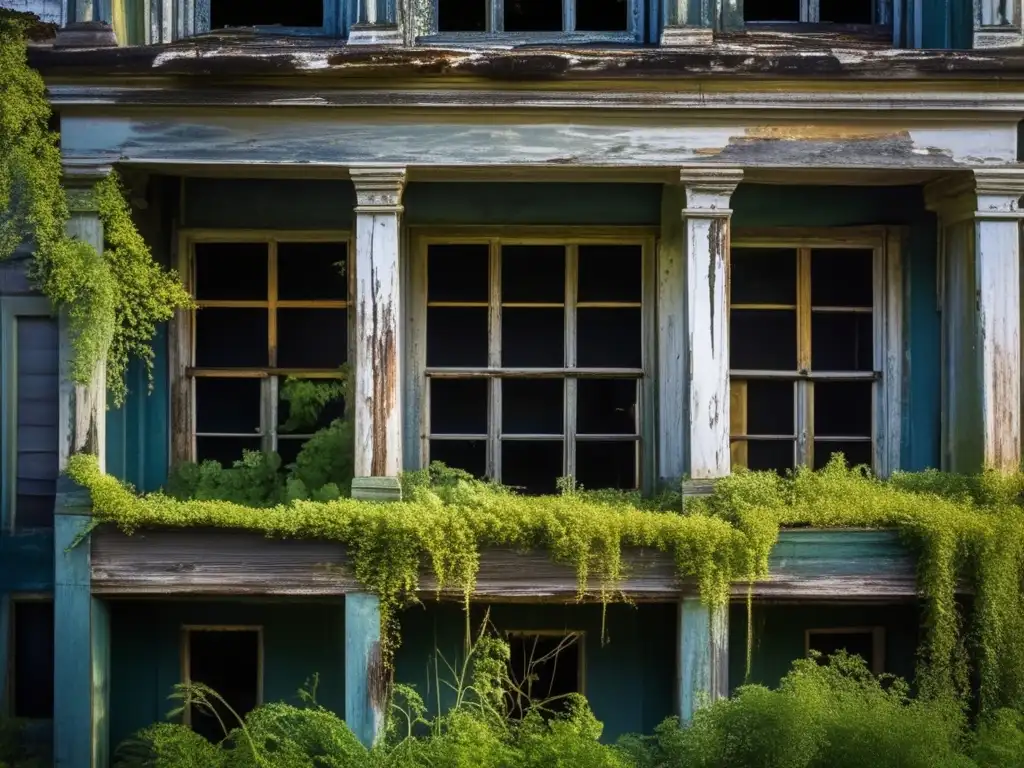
x: 115, y: 299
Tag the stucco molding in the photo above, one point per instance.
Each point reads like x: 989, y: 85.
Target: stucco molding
x: 378, y: 189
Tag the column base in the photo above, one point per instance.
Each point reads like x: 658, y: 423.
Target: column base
x: 686, y: 36
x: 375, y: 34
x: 376, y: 488
x: 86, y: 34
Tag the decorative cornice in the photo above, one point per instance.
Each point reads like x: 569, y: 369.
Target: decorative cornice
x: 378, y: 188
x: 708, y: 190
x: 983, y: 193
x: 999, y: 181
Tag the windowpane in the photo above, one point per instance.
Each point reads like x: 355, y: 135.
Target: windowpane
x: 762, y: 339
x: 312, y: 271
x: 532, y: 406
x: 533, y: 273
x: 251, y: 13
x: 226, y: 450
x: 458, y: 406
x: 231, y: 338
x: 288, y: 448
x: 231, y: 271
x: 334, y: 409
x: 462, y: 15
x: 533, y: 16
x: 543, y: 669
x: 842, y: 341
x: 606, y: 464
x: 457, y: 337
x: 609, y: 338
x: 772, y: 455
x: 610, y: 273
x: 228, y: 405
x: 842, y: 278
x: 854, y: 643
x: 229, y: 663
x: 459, y: 272
x: 37, y: 415
x: 602, y: 15
x: 606, y: 406
x: 33, y: 659
x: 770, y: 407
x: 842, y: 408
x: 771, y: 10
x: 312, y: 338
x: 532, y: 466
x: 762, y: 276
x: 468, y: 455
x: 855, y: 453
x: 532, y: 337
x: 847, y: 11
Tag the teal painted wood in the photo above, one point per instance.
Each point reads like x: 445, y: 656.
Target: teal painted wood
x: 363, y: 704
x: 99, y: 637
x: 702, y: 667
x: 74, y: 700
x: 26, y: 561
x: 5, y: 651
x: 268, y: 204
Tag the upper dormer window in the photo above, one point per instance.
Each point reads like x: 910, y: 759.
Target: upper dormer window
x: 811, y: 11
x: 605, y: 20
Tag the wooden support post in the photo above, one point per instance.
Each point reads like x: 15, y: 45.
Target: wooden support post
x: 979, y: 294
x: 672, y: 347
x: 707, y: 214
x: 81, y: 625
x: 365, y: 683
x: 376, y: 24
x: 702, y: 666
x: 683, y: 28
x: 378, y: 310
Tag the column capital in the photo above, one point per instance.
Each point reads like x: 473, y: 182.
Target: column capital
x: 708, y: 190
x: 378, y: 188
x: 982, y: 193
x: 79, y: 179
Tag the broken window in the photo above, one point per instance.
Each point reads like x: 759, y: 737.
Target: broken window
x: 266, y: 13
x: 229, y: 661
x: 537, y: 16
x: 535, y: 360
x: 32, y: 662
x: 803, y: 356
x: 544, y: 668
x: 866, y: 642
x: 267, y: 310
x: 810, y: 11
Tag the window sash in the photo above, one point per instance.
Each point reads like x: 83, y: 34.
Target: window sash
x: 570, y: 374
x: 635, y: 10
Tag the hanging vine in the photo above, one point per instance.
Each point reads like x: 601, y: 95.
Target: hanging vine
x: 115, y: 299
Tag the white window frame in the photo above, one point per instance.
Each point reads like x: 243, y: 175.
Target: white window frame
x: 417, y: 387
x: 877, y: 642
x: 634, y: 32
x: 183, y: 368
x: 887, y: 312
x: 186, y: 658
x: 12, y: 308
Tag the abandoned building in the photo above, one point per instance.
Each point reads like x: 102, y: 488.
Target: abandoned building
x: 626, y: 241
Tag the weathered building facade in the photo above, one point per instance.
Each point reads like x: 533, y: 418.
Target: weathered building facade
x: 630, y: 242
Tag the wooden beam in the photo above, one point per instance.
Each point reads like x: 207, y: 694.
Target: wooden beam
x: 672, y: 347
x: 365, y: 688
x: 702, y: 666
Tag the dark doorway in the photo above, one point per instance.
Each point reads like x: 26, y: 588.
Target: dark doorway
x: 228, y: 661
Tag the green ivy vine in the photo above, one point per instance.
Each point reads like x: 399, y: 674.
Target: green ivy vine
x: 114, y: 300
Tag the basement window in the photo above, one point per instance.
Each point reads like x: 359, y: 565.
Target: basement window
x: 846, y: 12
x: 545, y: 667
x: 535, y: 365
x: 32, y: 663
x: 267, y: 309
x: 866, y: 642
x: 229, y: 660
x: 808, y: 331
x: 611, y: 20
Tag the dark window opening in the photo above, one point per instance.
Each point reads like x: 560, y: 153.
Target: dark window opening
x: 461, y: 15
x: 312, y: 271
x: 763, y: 276
x: 610, y: 273
x: 37, y: 414
x: 771, y: 455
x: 229, y: 663
x: 533, y: 274
x: 842, y: 341
x: 533, y: 16
x: 33, y: 659
x: 457, y: 337
x: 532, y: 337
x: 855, y: 452
x: 458, y: 406
x: 602, y: 15
x: 609, y: 338
x: 467, y: 455
x: 854, y: 643
x: 847, y: 11
x: 532, y: 406
x: 543, y: 671
x: 231, y: 271
x: 770, y: 408
x: 231, y: 338
x: 606, y: 464
x: 258, y: 13
x: 532, y: 466
x: 842, y: 278
x: 771, y: 10
x: 762, y: 339
x: 459, y: 273
x: 606, y: 407
x: 312, y: 338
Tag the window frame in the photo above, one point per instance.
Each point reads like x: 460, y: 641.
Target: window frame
x: 810, y: 20
x: 336, y: 20
x: 182, y: 337
x: 418, y: 389
x: 634, y: 32
x: 12, y: 308
x: 581, y: 643
x: 878, y: 637
x: 186, y: 658
x: 8, y: 649
x: 887, y: 347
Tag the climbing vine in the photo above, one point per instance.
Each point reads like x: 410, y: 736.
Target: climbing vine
x: 968, y: 533
x: 115, y: 299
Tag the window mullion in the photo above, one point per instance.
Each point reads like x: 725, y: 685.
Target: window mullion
x: 568, y: 15
x: 494, y: 361
x: 269, y: 390
x: 804, y: 389
x: 496, y: 14
x: 810, y: 11
x: 571, y: 272
x: 269, y: 386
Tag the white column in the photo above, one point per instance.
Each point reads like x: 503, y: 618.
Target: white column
x: 707, y: 215
x: 979, y: 225
x: 378, y: 310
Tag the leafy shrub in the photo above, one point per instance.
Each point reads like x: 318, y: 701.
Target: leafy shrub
x: 1000, y: 740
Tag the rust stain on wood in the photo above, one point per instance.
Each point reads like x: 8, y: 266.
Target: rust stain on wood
x: 384, y: 359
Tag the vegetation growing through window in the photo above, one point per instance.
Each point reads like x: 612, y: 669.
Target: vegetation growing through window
x: 114, y: 299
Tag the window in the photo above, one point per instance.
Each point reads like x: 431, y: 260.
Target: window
x: 229, y: 660
x: 29, y: 417
x: 866, y: 642
x: 31, y: 662
x: 536, y: 358
x: 296, y: 17
x: 810, y: 325
x: 812, y: 11
x: 267, y: 308
x: 599, y: 19
x: 544, y: 668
